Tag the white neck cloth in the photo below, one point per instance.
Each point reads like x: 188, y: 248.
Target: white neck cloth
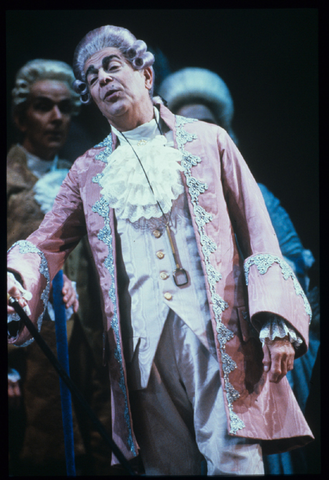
x: 124, y: 184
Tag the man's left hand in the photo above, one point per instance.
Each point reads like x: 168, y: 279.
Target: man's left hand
x: 69, y: 294
x: 279, y: 355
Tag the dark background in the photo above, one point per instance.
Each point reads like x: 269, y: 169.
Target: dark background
x: 267, y: 57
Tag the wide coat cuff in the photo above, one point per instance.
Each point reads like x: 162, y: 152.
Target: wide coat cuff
x: 273, y: 287
x: 26, y: 260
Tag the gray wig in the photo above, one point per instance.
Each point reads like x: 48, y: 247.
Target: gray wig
x: 134, y: 51
x: 40, y: 69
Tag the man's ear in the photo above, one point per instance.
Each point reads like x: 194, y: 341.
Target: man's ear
x: 148, y: 75
x: 20, y: 122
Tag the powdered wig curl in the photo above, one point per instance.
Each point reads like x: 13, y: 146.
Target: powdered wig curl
x: 134, y: 51
x: 41, y: 69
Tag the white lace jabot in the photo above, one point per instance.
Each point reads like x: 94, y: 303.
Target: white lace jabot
x: 124, y: 184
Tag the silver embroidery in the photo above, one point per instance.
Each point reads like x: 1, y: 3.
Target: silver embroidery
x: 105, y: 235
x: 28, y: 247
x: 264, y: 261
x: 201, y: 216
x: 196, y: 187
x: 96, y: 178
x: 213, y: 273
x: 103, y: 155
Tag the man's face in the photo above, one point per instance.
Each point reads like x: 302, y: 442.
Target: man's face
x: 46, y: 121
x: 120, y: 92
x: 198, y: 111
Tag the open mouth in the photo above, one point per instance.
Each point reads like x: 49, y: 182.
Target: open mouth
x: 111, y: 94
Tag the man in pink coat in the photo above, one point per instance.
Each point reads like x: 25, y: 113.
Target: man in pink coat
x: 202, y: 316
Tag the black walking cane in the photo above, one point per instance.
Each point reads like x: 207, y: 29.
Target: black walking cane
x: 73, y: 389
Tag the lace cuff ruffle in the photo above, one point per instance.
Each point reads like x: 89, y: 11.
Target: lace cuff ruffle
x: 276, y: 327
x: 14, y: 317
x: 13, y: 375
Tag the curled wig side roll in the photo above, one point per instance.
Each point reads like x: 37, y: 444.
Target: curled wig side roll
x: 137, y: 49
x: 82, y: 89
x: 135, y: 52
x: 138, y: 55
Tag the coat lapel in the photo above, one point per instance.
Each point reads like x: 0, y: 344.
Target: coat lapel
x: 106, y: 235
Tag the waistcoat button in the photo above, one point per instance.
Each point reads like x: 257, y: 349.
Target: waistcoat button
x: 160, y: 254
x: 167, y: 296
x: 164, y: 275
x: 156, y: 233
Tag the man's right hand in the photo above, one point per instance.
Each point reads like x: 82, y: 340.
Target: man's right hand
x: 16, y: 291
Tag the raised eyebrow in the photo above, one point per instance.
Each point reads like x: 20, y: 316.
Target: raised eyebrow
x: 106, y: 60
x: 91, y: 69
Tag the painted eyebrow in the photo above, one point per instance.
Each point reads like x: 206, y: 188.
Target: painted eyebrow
x: 105, y: 61
x: 91, y: 69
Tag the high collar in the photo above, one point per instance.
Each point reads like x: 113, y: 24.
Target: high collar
x: 147, y: 131
x: 165, y: 114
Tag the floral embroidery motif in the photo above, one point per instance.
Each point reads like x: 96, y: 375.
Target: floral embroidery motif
x: 196, y: 187
x: 103, y: 155
x: 264, y: 261
x: 105, y: 235
x: 28, y: 247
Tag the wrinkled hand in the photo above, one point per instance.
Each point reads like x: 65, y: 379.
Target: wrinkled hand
x: 15, y: 291
x: 279, y: 355
x: 69, y: 295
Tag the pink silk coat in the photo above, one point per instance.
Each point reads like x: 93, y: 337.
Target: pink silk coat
x: 225, y: 203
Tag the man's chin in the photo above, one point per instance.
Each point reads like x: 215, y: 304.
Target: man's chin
x: 54, y: 145
x: 115, y: 114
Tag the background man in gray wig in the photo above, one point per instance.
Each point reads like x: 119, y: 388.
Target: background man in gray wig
x: 43, y: 105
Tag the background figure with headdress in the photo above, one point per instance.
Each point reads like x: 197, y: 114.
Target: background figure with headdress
x: 200, y: 93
